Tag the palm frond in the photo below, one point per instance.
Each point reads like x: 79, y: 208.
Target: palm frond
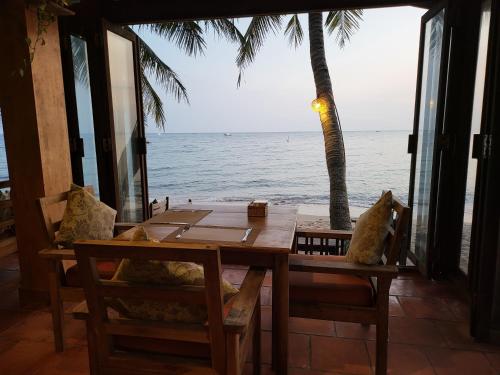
x: 345, y: 23
x: 164, y: 75
x: 80, y: 61
x: 255, y: 35
x: 294, y: 31
x: 187, y: 35
x: 152, y: 103
x: 224, y: 27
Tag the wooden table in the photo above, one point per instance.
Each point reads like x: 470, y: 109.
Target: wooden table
x: 268, y: 245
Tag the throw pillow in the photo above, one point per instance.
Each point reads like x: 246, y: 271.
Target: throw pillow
x: 85, y: 218
x: 368, y: 239
x: 165, y: 273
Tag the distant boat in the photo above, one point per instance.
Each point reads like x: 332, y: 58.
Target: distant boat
x: 227, y: 134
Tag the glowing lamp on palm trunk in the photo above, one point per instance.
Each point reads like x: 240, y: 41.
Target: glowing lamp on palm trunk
x: 318, y: 105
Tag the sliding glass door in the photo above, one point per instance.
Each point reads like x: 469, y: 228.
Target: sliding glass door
x: 428, y: 124
x: 127, y: 125
x: 477, y: 138
x: 83, y: 146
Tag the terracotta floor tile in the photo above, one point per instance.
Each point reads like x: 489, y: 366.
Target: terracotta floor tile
x: 234, y: 276
x: 494, y: 359
x: 266, y: 318
x: 298, y: 371
x: 453, y: 362
x: 6, y: 344
x: 411, y: 275
x: 459, y: 308
x: 298, y: 347
x: 9, y: 278
x: 403, y: 360
x: 9, y: 319
x: 268, y: 280
x: 395, y: 308
x: 24, y: 357
x: 457, y: 336
x: 298, y: 350
x: 426, y: 307
x: 423, y: 288
x: 264, y: 370
x: 266, y: 348
x: 339, y: 355
x: 266, y: 296
x: 73, y: 361
x: 10, y: 262
x: 414, y: 331
x: 37, y: 326
x: 311, y: 326
x: 355, y: 331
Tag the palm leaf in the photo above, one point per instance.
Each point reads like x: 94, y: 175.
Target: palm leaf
x: 345, y: 23
x: 153, y: 105
x: 294, y: 31
x: 255, y: 35
x: 187, y: 35
x: 224, y: 27
x: 80, y: 65
x: 164, y: 75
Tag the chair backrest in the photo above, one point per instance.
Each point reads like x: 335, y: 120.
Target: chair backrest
x: 108, y: 328
x: 157, y: 207
x: 397, y: 232
x: 52, y: 210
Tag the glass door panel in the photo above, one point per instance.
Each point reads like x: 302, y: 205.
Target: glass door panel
x: 426, y: 129
x: 85, y: 117
x: 477, y: 111
x: 126, y: 127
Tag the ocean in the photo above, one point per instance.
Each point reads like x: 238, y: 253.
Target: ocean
x: 284, y: 168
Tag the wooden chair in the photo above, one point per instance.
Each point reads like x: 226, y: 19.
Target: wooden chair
x: 157, y: 207
x: 64, y: 277
x: 328, y: 288
x: 122, y: 346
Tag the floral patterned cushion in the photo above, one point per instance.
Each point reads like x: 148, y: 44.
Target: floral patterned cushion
x: 85, y: 218
x: 166, y: 273
x: 368, y: 239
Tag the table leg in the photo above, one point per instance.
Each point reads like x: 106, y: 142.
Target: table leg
x: 280, y: 314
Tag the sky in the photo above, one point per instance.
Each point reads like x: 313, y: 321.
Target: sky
x: 373, y: 79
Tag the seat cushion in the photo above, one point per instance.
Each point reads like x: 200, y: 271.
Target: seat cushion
x: 106, y: 270
x: 311, y: 287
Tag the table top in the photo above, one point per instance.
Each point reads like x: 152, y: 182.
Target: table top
x: 224, y: 225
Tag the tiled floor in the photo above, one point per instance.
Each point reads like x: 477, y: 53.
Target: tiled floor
x: 428, y: 334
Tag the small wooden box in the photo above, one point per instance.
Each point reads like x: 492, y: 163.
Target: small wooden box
x: 257, y: 208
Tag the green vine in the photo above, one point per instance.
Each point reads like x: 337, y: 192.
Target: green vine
x: 45, y: 17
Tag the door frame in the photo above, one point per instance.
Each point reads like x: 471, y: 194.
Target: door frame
x: 426, y: 268
x: 485, y: 242
x: 86, y: 30
x: 121, y: 31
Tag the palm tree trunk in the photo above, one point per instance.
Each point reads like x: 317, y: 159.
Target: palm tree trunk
x: 334, y: 144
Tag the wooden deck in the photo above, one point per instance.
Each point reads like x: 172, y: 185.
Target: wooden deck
x: 428, y: 333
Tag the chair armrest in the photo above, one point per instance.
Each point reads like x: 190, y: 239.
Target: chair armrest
x: 324, y: 233
x: 57, y: 254
x: 81, y: 311
x: 336, y: 267
x: 244, y: 302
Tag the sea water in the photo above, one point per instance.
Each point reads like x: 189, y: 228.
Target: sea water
x: 284, y: 168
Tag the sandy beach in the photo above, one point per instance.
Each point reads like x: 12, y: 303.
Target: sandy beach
x: 317, y: 216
